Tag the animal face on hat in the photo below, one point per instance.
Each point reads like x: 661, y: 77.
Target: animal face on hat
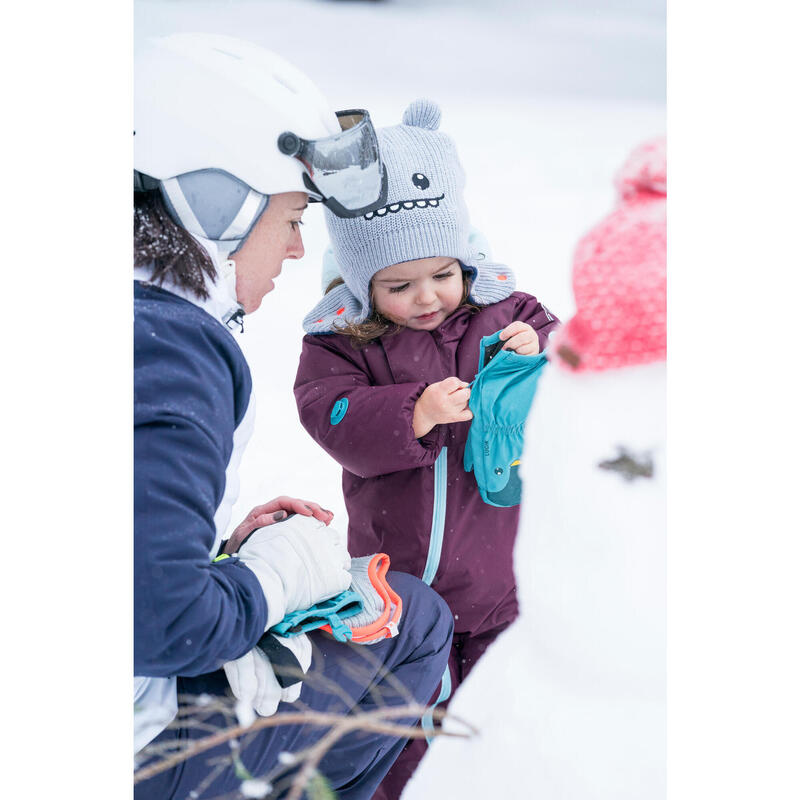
x: 421, y: 182
x: 424, y: 173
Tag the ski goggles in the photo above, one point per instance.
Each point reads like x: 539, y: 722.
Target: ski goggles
x: 343, y: 171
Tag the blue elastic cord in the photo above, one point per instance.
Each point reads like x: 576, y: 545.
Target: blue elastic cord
x: 339, y: 630
x: 444, y: 694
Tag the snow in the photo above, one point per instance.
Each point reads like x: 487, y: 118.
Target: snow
x: 254, y: 788
x: 543, y: 100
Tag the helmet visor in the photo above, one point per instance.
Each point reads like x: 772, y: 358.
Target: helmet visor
x: 344, y: 171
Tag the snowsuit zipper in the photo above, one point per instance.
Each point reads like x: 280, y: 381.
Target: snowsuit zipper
x: 437, y: 520
x: 432, y: 565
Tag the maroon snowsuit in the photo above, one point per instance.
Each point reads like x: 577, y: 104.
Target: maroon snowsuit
x: 410, y: 497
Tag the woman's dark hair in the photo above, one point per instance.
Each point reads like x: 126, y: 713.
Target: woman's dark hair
x: 166, y: 248
x: 376, y: 325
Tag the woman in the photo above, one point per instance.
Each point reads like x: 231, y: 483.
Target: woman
x: 217, y: 210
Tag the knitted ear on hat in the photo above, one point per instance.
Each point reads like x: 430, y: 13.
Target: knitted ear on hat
x: 619, y: 276
x: 423, y: 113
x: 424, y: 217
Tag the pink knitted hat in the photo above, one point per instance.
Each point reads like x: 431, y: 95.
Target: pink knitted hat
x: 619, y: 275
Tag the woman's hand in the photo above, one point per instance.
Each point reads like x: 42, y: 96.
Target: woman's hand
x: 275, y: 511
x: 521, y: 338
x: 298, y: 563
x: 441, y: 402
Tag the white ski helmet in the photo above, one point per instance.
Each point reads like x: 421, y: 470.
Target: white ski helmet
x: 216, y: 170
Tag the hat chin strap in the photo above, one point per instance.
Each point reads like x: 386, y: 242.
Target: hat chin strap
x: 228, y: 274
x: 223, y: 298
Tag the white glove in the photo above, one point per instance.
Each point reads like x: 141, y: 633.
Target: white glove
x: 298, y: 562
x: 252, y: 678
x: 300, y: 645
x: 253, y: 682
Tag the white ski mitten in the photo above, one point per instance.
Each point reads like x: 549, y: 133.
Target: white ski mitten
x: 262, y: 682
x: 253, y: 682
x: 298, y: 562
x: 301, y: 649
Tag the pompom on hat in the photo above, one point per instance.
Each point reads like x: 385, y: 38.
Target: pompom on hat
x: 425, y: 216
x: 619, y: 275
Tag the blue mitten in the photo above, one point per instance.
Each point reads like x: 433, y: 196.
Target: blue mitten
x: 331, y: 612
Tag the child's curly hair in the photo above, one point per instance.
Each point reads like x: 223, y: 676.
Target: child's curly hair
x: 376, y: 325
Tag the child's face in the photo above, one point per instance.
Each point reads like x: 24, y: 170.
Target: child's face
x: 419, y: 294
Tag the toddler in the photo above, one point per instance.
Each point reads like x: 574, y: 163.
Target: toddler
x: 383, y: 387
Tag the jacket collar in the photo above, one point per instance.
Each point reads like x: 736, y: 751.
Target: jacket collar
x: 221, y: 302
x: 420, y: 355
x: 454, y: 326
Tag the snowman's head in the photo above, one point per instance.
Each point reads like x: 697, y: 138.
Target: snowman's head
x: 619, y: 276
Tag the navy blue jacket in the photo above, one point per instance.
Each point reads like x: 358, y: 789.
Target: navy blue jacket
x: 191, y: 390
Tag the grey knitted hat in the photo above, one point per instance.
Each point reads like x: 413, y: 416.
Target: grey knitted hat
x: 425, y: 217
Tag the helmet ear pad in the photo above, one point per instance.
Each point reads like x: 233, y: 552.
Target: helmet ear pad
x: 213, y: 204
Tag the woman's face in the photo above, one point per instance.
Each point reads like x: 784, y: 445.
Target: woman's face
x: 274, y: 238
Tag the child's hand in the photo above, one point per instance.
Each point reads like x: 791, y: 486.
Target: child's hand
x: 521, y: 338
x: 442, y: 402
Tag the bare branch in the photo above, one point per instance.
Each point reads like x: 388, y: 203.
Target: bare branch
x: 377, y: 721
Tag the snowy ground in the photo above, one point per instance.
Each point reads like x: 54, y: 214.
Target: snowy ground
x: 544, y: 101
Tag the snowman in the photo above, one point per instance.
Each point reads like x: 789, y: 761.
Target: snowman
x: 570, y: 702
